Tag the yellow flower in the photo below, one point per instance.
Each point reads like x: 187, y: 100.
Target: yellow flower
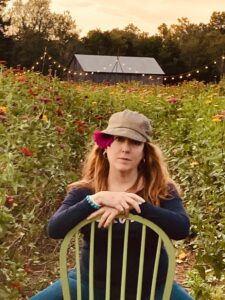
x: 181, y: 257
x: 194, y: 163
x: 3, y: 109
x: 44, y: 118
x: 208, y: 101
x: 216, y: 120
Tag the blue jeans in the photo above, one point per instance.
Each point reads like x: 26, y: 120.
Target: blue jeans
x: 54, y: 291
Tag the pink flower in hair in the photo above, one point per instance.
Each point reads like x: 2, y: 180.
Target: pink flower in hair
x: 102, y: 140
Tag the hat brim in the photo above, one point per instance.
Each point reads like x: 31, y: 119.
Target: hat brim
x: 126, y: 132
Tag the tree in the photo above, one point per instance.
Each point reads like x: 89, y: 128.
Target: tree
x: 5, y: 42
x: 217, y: 22
x: 34, y: 27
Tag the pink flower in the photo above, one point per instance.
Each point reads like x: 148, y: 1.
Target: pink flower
x: 219, y: 116
x: 172, y: 100
x: 102, y: 140
x: 60, y: 130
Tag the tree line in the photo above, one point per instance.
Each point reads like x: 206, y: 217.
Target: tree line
x: 26, y: 30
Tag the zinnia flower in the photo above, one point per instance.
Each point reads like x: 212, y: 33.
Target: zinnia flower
x: 26, y: 151
x: 172, y: 100
x: 102, y: 140
x: 60, y: 130
x: 3, y: 110
x: 219, y: 116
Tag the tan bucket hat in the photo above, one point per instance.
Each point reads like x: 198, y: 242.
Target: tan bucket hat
x: 130, y: 124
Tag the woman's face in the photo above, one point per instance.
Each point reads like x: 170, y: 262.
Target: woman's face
x: 124, y: 154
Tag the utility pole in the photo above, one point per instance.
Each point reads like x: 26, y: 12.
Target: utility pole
x: 43, y: 63
x: 222, y: 66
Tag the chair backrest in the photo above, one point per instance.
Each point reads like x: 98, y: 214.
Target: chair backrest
x: 162, y: 240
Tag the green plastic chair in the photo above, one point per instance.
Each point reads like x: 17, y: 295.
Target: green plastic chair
x: 75, y: 233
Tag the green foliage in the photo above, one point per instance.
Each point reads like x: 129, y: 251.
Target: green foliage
x: 45, y: 128
x: 178, y: 48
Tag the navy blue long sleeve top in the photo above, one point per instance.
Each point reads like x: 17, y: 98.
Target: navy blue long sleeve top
x: 170, y: 216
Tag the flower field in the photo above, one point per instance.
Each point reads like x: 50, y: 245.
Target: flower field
x: 46, y: 127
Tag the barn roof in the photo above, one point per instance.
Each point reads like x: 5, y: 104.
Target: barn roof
x: 118, y: 64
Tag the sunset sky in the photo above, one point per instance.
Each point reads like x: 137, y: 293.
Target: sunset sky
x: 147, y: 15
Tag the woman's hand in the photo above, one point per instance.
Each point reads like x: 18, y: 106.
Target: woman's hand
x: 107, y: 214
x: 121, y: 201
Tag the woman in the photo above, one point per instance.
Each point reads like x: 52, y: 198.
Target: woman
x: 123, y: 173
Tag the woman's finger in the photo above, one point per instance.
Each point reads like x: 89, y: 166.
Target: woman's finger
x: 136, y: 198
x: 134, y: 205
x: 110, y: 219
x: 103, y: 219
x: 96, y: 213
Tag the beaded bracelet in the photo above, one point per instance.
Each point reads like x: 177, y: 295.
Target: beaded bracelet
x: 92, y: 202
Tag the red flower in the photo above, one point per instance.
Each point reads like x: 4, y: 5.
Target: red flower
x: 28, y: 269
x: 45, y: 99
x: 99, y: 117
x: 80, y: 129
x: 172, y: 100
x: 16, y: 71
x: 32, y: 93
x: 2, y: 62
x: 16, y: 285
x: 59, y: 112
x: 80, y: 126
x: 26, y: 151
x: 58, y: 98
x: 102, y: 140
x: 21, y: 79
x: 9, y: 201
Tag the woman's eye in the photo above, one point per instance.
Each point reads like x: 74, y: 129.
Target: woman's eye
x: 136, y: 143
x: 119, y: 138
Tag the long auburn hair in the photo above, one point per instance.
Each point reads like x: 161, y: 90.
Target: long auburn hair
x: 153, y: 176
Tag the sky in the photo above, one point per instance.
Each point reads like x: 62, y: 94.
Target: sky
x: 147, y: 15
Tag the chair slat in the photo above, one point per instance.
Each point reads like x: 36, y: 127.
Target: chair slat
x: 91, y: 263
x: 163, y: 239
x: 124, y: 265
x: 141, y: 263
x: 109, y: 256
x: 77, y: 257
x: 155, y: 272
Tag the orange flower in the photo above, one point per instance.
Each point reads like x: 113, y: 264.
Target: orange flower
x: 44, y: 118
x: 216, y: 119
x: 16, y: 285
x: 3, y: 110
x: 21, y: 79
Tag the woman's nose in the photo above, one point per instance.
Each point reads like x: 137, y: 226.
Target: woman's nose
x: 126, y: 146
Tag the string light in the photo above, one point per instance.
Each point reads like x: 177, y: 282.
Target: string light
x: 165, y: 78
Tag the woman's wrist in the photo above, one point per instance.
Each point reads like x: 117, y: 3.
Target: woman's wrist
x: 97, y: 198
x: 92, y: 202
